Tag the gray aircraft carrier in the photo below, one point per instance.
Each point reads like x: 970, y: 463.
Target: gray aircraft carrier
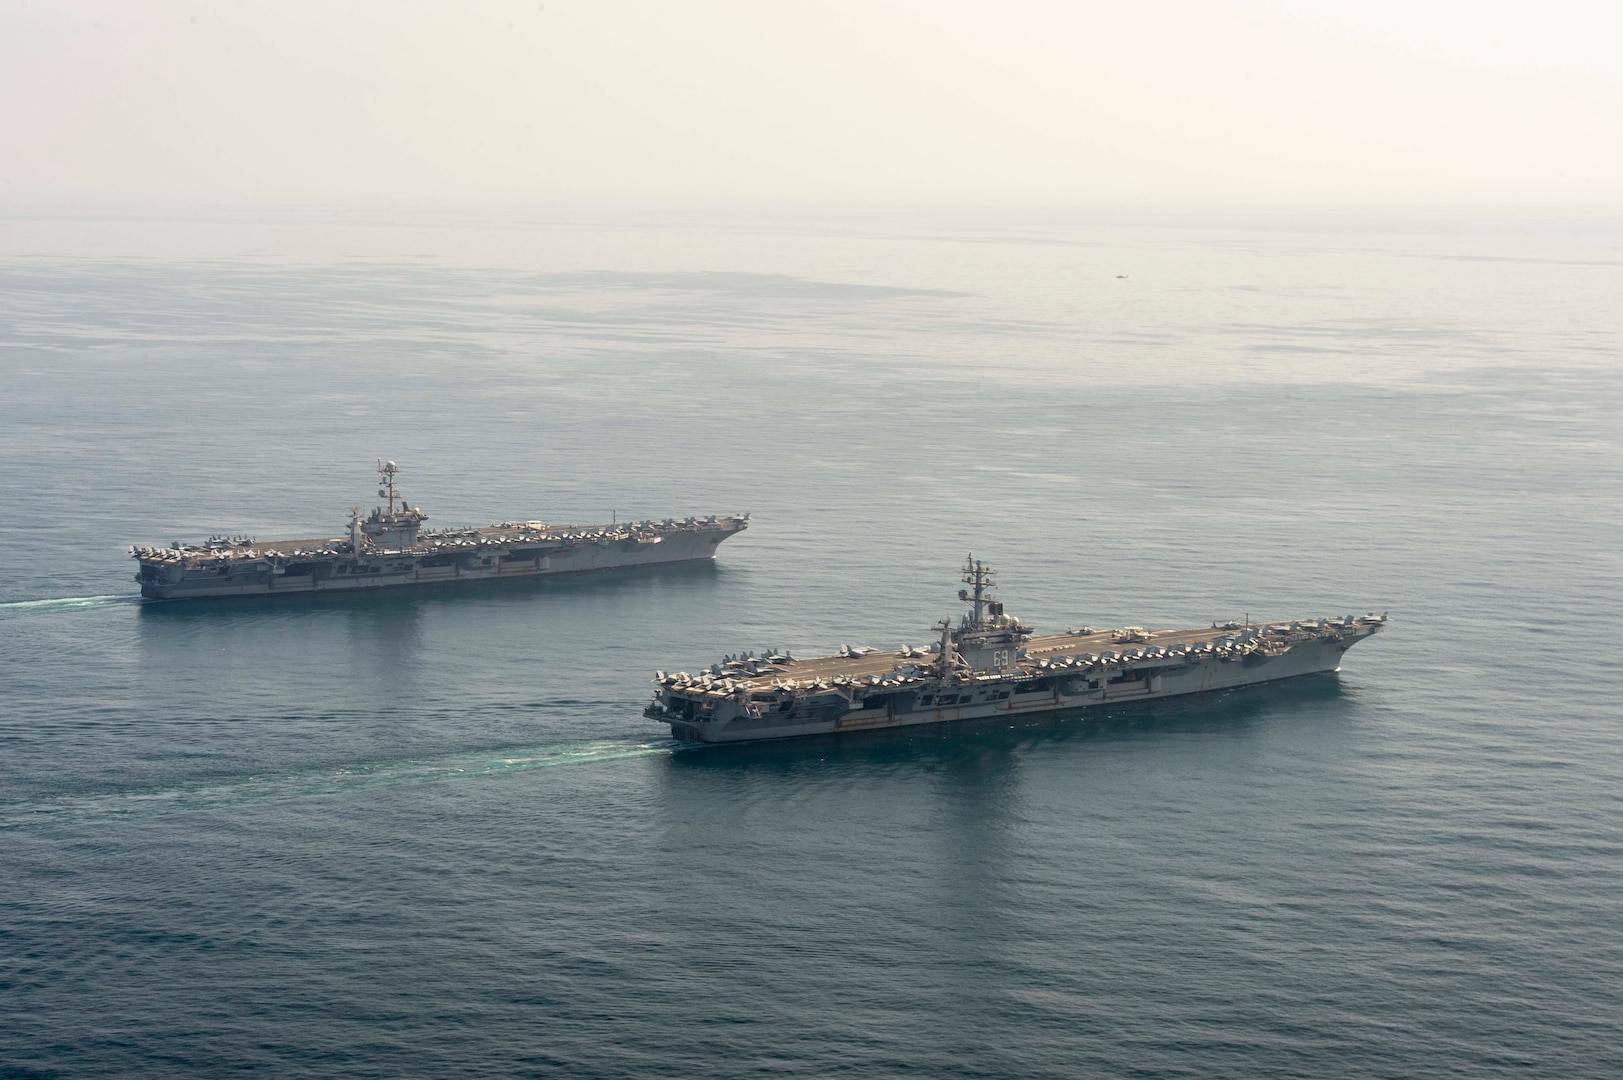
x: 390, y: 547
x: 989, y: 665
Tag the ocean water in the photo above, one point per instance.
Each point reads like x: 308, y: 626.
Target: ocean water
x: 429, y: 833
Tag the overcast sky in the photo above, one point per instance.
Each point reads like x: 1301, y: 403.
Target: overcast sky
x: 878, y: 101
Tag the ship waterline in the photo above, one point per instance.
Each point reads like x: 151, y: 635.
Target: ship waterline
x: 390, y: 548
x: 991, y: 665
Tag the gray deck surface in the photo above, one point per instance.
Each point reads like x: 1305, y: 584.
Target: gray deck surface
x: 513, y: 534
x: 1044, y: 646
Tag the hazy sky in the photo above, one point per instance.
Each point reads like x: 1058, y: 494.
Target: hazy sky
x: 871, y: 101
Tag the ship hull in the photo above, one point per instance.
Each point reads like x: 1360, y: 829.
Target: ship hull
x: 395, y: 569
x: 999, y: 699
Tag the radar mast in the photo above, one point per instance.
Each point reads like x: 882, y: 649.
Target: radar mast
x: 980, y: 578
x: 386, y: 475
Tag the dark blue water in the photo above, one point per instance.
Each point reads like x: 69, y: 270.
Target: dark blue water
x: 429, y: 833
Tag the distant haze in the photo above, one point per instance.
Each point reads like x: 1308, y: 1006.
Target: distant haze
x: 867, y: 100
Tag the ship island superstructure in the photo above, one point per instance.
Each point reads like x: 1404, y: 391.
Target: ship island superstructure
x: 390, y: 547
x: 989, y: 665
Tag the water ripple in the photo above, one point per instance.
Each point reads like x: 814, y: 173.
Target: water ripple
x: 81, y: 809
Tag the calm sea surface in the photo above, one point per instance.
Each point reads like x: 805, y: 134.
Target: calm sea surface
x: 428, y: 833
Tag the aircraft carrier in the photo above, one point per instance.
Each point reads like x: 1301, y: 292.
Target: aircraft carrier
x: 391, y: 547
x: 990, y: 665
